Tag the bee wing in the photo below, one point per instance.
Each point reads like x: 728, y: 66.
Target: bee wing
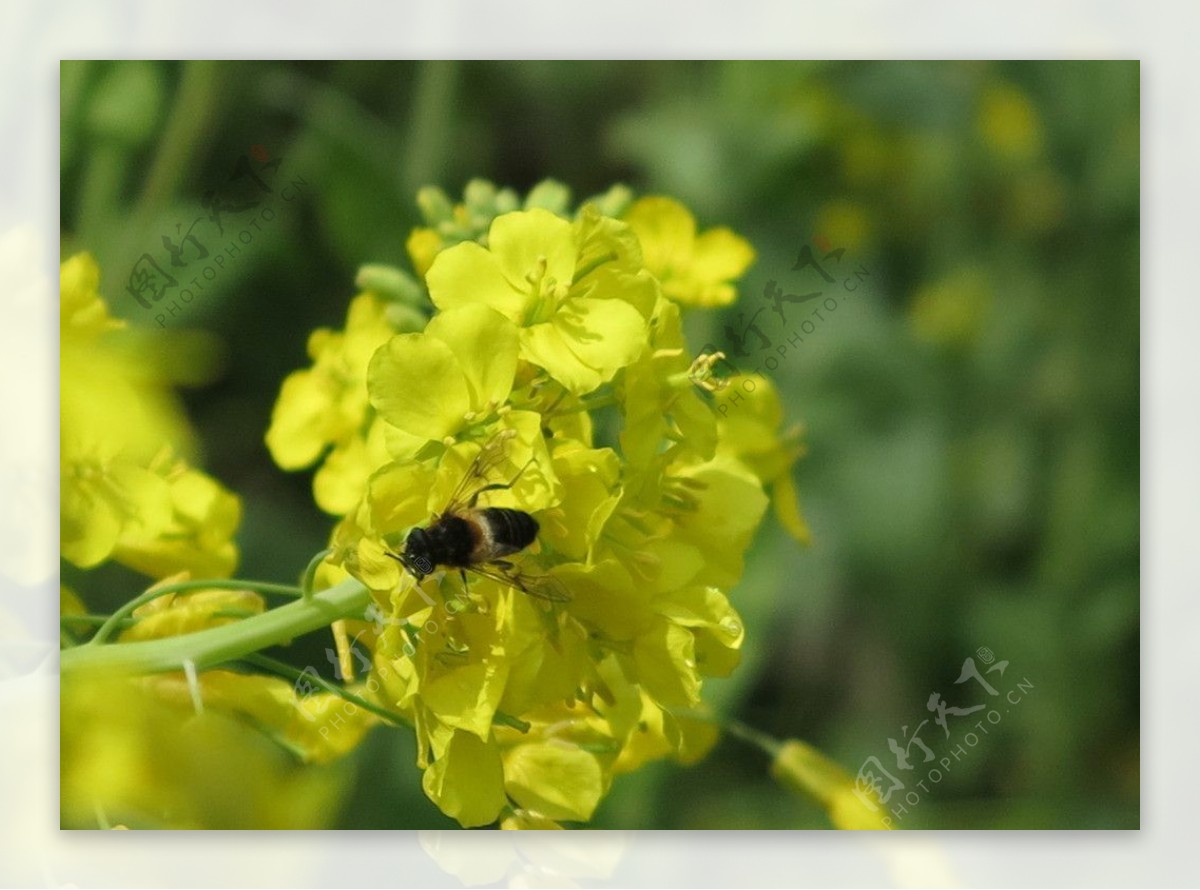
x: 492, y: 455
x: 536, y: 584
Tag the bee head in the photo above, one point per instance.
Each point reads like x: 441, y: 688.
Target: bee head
x: 416, y: 554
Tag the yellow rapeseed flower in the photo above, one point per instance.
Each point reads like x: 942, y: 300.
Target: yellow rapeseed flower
x: 805, y: 770
x: 126, y: 493
x: 576, y: 290
x: 557, y: 349
x: 694, y: 269
x: 751, y: 428
x: 324, y: 411
x: 137, y: 754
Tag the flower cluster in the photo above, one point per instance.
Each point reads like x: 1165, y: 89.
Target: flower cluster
x: 559, y: 335
x: 128, y: 490
x: 130, y: 494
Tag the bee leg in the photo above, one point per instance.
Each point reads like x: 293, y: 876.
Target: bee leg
x: 480, y: 605
x: 500, y: 486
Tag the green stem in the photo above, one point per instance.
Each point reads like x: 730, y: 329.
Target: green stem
x: 102, y: 180
x: 310, y: 571
x: 291, y: 673
x: 739, y: 730
x: 429, y: 132
x: 194, y: 107
x: 592, y: 403
x: 114, y: 620
x: 85, y: 619
x: 69, y: 622
x: 229, y: 642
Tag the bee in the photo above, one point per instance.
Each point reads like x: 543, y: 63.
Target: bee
x: 479, y: 539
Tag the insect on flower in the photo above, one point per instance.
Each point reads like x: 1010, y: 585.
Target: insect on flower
x: 478, y: 539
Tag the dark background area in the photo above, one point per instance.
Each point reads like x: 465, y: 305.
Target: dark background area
x: 971, y: 408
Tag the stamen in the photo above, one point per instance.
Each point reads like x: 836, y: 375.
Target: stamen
x: 701, y: 372
x: 535, y: 275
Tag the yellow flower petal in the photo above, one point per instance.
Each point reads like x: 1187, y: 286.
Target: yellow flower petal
x: 557, y: 779
x: 467, y: 273
x: 82, y: 311
x: 467, y: 781
x: 416, y: 384
x: 666, y: 230
x: 605, y: 597
x: 694, y: 270
x: 546, y: 346
x: 198, y: 536
x: 721, y: 255
x: 524, y: 820
x: 666, y: 662
x: 547, y: 655
x: 423, y: 246
x: 342, y: 478
x: 100, y: 504
x: 786, y: 502
x: 485, y: 344
x: 525, y: 241
x: 605, y: 334
x: 589, y: 477
x: 466, y: 697
x: 729, y: 504
x: 327, y: 404
x: 716, y: 626
x: 300, y: 423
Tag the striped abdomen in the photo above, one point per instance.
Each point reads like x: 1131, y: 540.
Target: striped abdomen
x: 502, y: 532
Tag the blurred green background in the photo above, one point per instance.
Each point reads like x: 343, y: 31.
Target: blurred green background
x: 971, y: 410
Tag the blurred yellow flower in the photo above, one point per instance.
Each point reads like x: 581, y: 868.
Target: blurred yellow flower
x: 323, y: 411
x: 805, y: 770
x: 82, y: 311
x: 845, y: 224
x: 125, y: 494
x: 422, y: 246
x: 952, y: 310
x: 1008, y: 123
x: 694, y: 269
x: 133, y: 757
x: 197, y: 537
x: 317, y: 727
x: 174, y: 614
x: 751, y: 429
